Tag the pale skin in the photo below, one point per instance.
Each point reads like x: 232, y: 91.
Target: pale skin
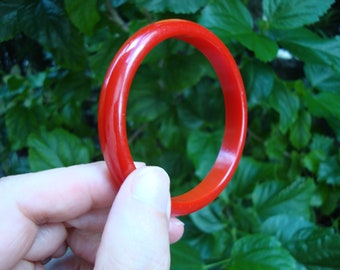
x: 77, y: 208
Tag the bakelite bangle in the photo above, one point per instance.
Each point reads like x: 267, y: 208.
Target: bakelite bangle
x: 114, y: 96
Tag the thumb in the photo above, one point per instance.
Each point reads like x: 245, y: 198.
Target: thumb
x: 136, y: 235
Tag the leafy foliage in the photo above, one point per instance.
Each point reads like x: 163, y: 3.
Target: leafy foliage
x: 281, y: 210
x: 293, y: 14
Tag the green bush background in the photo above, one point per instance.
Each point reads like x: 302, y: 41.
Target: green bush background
x: 281, y: 210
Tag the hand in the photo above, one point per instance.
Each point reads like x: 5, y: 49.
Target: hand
x: 42, y: 214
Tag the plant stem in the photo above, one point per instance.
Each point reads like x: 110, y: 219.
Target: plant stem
x: 224, y: 262
x: 114, y: 17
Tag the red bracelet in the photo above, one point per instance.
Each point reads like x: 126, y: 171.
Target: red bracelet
x: 114, y: 96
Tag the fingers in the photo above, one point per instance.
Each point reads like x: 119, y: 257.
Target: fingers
x: 67, y: 262
x: 136, y: 235
x: 60, y: 194
x: 49, y: 239
x: 27, y: 266
x: 84, y: 244
x: 139, y: 216
x: 47, y: 197
x: 94, y: 220
x: 176, y: 230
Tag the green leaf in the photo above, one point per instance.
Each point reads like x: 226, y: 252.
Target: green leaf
x: 259, y: 80
x: 285, y: 14
x: 48, y: 25
x: 245, y: 219
x: 325, y: 104
x: 184, y: 6
x: 202, y: 104
x: 117, y: 3
x: 102, y: 57
x: 20, y: 123
x: 185, y: 257
x: 210, y: 218
x: 265, y: 49
x: 37, y: 80
x: 231, y: 19
x: 146, y: 101
x: 73, y: 87
x: 227, y: 18
x: 314, y: 247
x: 300, y: 132
x: 146, y: 147
x: 323, y: 78
x: 210, y: 246
x: 57, y: 148
x: 202, y: 149
x: 286, y: 103
x: 320, y: 150
x: 260, y: 252
x: 284, y: 227
x: 180, y: 72
x: 72, y: 54
x: 46, y: 22
x: 294, y: 169
x: 329, y: 171
x: 189, y: 117
x: 330, y: 199
x: 170, y: 131
x: 248, y: 173
x: 276, y: 197
x: 8, y: 18
x: 13, y: 163
x: 311, y: 48
x: 276, y: 145
x: 322, y: 143
x: 83, y: 15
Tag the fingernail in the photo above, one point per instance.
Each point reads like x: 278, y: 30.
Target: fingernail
x: 139, y: 164
x: 152, y: 187
x: 178, y: 222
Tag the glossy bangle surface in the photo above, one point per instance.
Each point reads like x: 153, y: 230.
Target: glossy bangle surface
x: 114, y: 96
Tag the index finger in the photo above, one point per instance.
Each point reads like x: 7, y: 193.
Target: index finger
x: 59, y: 194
